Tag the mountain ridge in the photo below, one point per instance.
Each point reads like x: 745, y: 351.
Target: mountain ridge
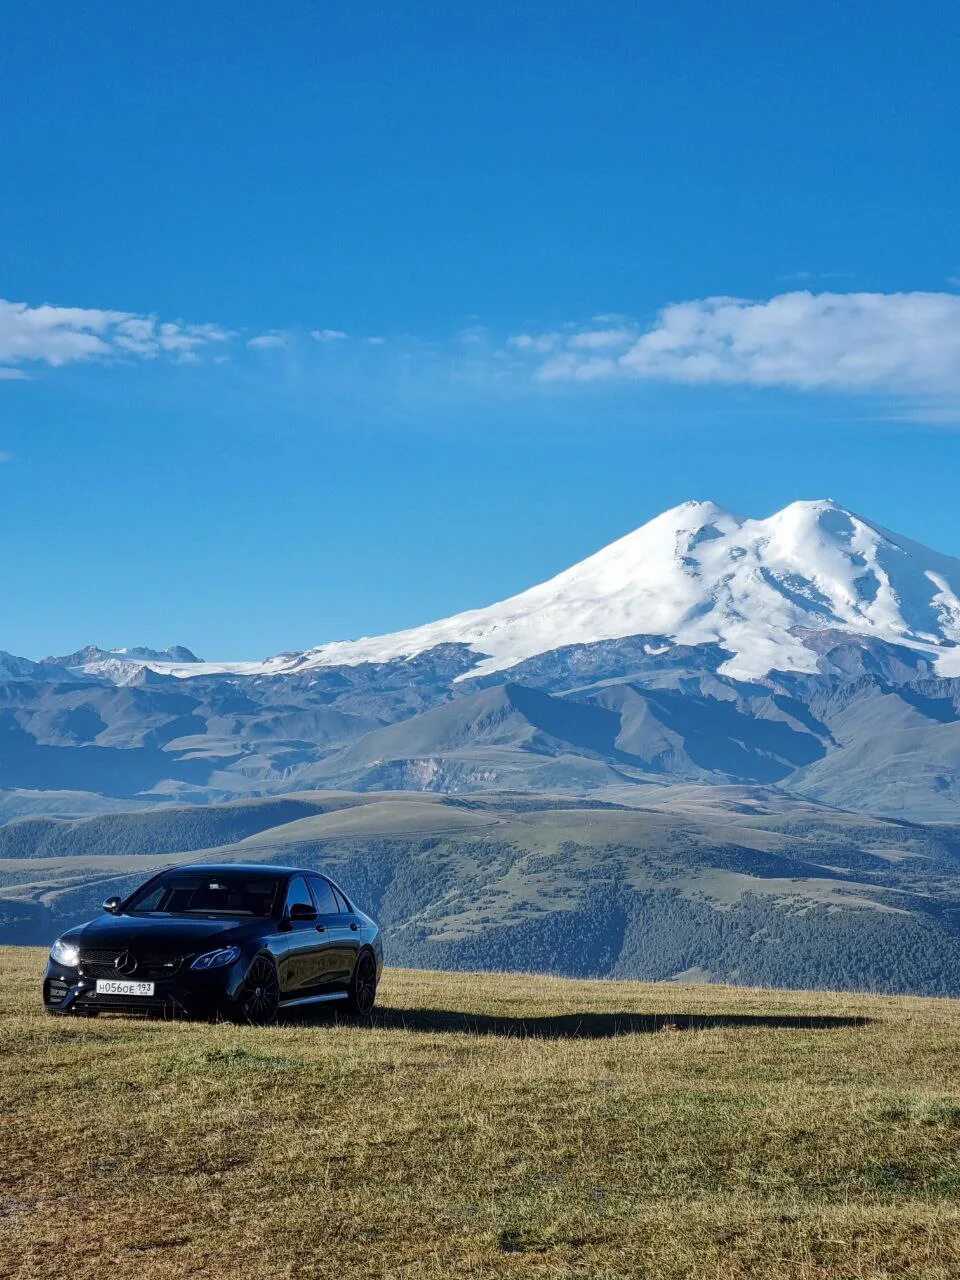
x: 695, y: 574
x: 857, y: 704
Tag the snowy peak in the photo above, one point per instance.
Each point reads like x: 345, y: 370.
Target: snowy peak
x: 92, y: 660
x: 14, y: 668
x: 698, y: 574
x: 695, y: 575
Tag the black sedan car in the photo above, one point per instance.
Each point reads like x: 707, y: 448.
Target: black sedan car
x: 237, y: 940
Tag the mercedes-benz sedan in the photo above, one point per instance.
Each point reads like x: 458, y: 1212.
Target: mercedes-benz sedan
x: 238, y: 940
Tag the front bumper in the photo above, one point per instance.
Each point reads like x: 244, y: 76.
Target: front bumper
x: 191, y: 993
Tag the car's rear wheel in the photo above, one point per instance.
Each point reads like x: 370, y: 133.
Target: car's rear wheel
x: 363, y: 985
x: 259, y: 997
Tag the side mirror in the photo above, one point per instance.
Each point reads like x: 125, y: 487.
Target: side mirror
x: 112, y: 905
x: 302, y: 911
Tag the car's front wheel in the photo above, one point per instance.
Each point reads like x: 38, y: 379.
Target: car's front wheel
x: 259, y: 997
x: 362, y: 993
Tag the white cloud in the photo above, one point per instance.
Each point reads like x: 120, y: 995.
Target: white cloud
x: 327, y: 335
x: 601, y: 339
x: 67, y: 335
x: 901, y: 342
x: 474, y: 335
x: 538, y: 344
x: 572, y: 365
x: 944, y: 413
x: 264, y: 341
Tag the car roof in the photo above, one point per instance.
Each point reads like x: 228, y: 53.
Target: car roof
x: 256, y: 869
x: 248, y: 868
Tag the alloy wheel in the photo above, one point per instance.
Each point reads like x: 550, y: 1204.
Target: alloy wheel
x: 365, y: 984
x: 260, y: 997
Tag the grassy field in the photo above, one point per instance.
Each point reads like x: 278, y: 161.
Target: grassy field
x: 486, y: 1126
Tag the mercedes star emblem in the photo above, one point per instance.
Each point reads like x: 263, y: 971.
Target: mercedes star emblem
x: 125, y: 963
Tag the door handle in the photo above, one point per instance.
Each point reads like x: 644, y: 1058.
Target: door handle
x: 354, y: 926
x: 321, y: 928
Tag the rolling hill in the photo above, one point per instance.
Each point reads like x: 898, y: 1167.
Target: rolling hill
x: 704, y: 883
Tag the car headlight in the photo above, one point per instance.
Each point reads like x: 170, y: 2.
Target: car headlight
x: 216, y: 959
x: 65, y: 953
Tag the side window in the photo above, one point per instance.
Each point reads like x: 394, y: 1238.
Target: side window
x: 322, y: 891
x: 342, y: 903
x: 297, y: 892
x: 152, y: 900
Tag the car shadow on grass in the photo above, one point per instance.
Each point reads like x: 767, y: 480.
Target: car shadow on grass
x: 595, y: 1026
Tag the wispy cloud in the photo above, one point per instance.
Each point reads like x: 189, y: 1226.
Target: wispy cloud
x: 601, y: 339
x: 907, y: 343
x: 942, y: 413
x: 268, y: 341
x: 903, y: 348
x: 66, y: 335
x: 537, y: 344
x: 805, y: 277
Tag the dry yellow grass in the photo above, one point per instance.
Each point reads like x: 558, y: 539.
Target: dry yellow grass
x: 486, y: 1126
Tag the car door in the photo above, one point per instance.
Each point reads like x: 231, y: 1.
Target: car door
x: 302, y: 943
x: 342, y: 931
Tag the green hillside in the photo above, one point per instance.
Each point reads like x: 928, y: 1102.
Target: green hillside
x: 725, y: 884
x: 486, y: 1126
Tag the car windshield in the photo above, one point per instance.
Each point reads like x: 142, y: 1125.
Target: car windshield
x: 206, y: 893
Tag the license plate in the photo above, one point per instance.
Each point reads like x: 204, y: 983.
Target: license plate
x: 123, y: 987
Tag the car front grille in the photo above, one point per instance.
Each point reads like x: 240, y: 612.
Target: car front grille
x: 150, y: 965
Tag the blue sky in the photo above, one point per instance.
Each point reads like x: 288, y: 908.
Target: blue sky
x: 325, y: 320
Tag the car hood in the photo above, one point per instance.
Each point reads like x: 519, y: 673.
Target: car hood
x: 163, y: 933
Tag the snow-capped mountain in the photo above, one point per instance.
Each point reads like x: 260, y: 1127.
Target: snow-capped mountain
x: 14, y: 668
x: 811, y: 649
x: 697, y: 574
x: 128, y: 665
x: 91, y: 655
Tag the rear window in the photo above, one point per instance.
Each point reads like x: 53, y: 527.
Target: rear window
x: 327, y: 904
x: 190, y: 893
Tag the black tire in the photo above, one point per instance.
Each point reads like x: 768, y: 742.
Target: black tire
x: 362, y: 993
x: 259, y: 997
